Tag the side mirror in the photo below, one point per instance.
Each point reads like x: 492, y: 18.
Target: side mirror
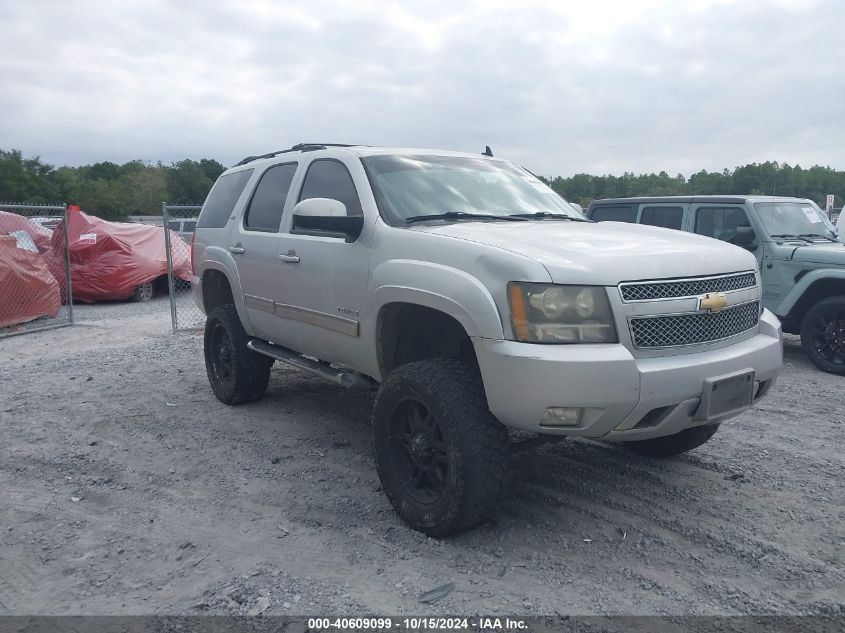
x: 745, y: 236
x: 326, y: 215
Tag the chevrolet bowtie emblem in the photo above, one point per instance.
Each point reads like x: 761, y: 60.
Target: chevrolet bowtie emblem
x: 714, y: 302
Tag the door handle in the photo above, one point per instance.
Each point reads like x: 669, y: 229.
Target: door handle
x: 290, y: 257
x: 237, y: 250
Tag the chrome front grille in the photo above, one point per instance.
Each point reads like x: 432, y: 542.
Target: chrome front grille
x: 694, y: 328
x: 651, y: 290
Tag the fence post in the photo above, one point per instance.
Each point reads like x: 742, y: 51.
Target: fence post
x: 68, y: 276
x: 170, y: 287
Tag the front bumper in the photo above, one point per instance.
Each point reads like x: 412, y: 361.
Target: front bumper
x: 623, y: 398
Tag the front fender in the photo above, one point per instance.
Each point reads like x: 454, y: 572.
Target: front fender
x: 794, y: 295
x: 449, y: 290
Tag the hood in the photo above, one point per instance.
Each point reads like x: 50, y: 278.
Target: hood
x: 605, y: 253
x: 828, y: 253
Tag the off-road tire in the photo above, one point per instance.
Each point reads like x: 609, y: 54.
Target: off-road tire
x: 476, y: 446
x: 830, y: 308
x: 143, y: 293
x: 671, y: 445
x: 236, y: 374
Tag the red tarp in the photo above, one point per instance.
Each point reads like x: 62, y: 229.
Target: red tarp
x: 110, y: 259
x: 10, y: 222
x: 27, y: 289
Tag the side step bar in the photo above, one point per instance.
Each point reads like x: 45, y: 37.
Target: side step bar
x: 324, y: 370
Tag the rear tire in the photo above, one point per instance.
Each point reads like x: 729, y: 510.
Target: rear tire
x: 236, y: 373
x: 143, y: 293
x: 823, y: 335
x: 443, y: 459
x: 676, y: 444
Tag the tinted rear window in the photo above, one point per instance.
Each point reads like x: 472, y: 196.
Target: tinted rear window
x: 617, y: 213
x: 268, y: 201
x: 222, y: 198
x: 667, y: 217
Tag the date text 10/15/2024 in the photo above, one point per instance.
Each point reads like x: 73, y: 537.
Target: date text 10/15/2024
x: 482, y: 623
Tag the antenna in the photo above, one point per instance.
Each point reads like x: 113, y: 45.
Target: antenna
x: 487, y: 151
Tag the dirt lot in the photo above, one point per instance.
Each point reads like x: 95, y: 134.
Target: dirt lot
x: 125, y: 487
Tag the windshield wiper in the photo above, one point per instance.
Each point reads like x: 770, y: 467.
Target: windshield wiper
x: 462, y: 215
x: 541, y: 215
x: 792, y: 236
x: 826, y: 237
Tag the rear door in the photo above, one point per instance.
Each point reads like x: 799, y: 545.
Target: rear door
x: 255, y: 246
x: 614, y: 213
x: 669, y: 215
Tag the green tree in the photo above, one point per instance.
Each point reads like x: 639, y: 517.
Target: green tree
x: 187, y: 181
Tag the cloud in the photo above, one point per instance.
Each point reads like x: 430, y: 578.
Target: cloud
x: 598, y: 86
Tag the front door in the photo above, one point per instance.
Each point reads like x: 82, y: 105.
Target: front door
x: 324, y: 298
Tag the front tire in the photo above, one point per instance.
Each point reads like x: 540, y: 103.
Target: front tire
x: 671, y: 445
x: 823, y: 335
x: 235, y: 372
x: 443, y: 459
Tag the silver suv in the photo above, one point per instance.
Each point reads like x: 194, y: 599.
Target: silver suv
x: 478, y: 301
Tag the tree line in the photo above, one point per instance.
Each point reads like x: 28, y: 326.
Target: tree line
x: 107, y: 189
x: 769, y: 179
x: 115, y: 191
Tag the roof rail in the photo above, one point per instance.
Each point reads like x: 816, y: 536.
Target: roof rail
x: 299, y: 147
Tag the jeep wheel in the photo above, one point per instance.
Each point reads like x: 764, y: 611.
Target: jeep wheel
x: 236, y: 373
x: 143, y: 293
x: 442, y: 458
x: 823, y: 335
x: 676, y: 444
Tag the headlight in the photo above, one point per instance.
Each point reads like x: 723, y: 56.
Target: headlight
x: 545, y: 313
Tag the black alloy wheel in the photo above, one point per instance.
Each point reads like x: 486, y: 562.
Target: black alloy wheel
x: 221, y: 354
x: 420, y: 456
x: 235, y: 372
x: 442, y: 458
x: 823, y: 335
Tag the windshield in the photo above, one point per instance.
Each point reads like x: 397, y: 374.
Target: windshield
x: 794, y: 218
x: 412, y: 186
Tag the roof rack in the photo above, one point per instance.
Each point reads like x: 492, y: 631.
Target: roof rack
x: 299, y: 147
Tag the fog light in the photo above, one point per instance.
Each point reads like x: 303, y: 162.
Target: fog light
x: 562, y: 416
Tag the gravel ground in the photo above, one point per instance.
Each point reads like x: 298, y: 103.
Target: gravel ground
x: 127, y: 488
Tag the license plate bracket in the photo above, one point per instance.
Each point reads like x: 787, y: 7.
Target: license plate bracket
x: 726, y: 394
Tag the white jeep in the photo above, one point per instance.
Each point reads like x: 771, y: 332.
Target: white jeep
x: 478, y: 301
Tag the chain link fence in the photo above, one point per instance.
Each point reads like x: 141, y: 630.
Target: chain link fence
x: 181, y: 219
x: 35, y: 281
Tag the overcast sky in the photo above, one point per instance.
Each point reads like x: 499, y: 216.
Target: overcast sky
x: 560, y: 86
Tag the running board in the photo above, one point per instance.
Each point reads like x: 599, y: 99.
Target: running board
x: 324, y: 370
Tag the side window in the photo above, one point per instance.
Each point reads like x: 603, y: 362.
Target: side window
x: 619, y: 213
x: 329, y: 178
x: 667, y: 217
x: 222, y: 198
x: 268, y: 201
x: 720, y: 222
